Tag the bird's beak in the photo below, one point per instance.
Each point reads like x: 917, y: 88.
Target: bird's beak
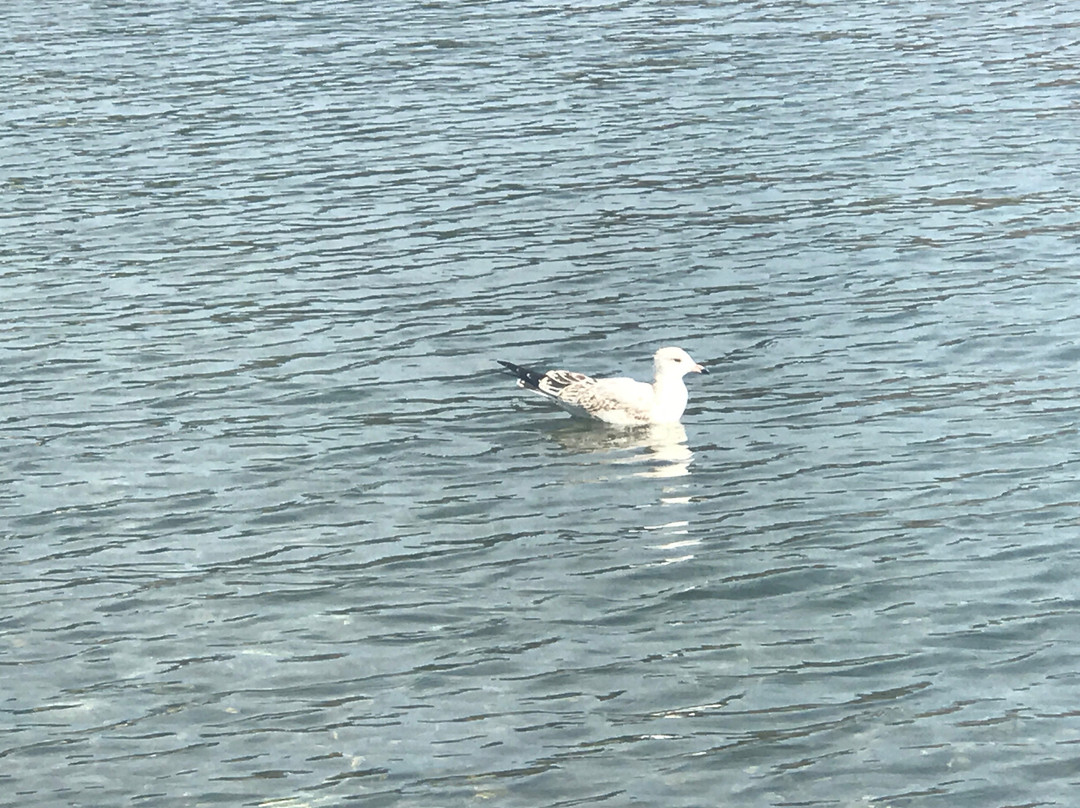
x: 700, y: 369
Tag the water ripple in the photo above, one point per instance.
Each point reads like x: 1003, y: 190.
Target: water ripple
x: 275, y: 530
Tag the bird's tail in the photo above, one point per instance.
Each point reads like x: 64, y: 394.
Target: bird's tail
x: 527, y: 378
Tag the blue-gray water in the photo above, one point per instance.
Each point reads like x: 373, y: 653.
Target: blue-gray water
x: 275, y: 532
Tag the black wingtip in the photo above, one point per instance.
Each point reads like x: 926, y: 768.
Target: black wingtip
x: 529, y: 378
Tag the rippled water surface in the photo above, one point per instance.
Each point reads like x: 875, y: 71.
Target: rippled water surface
x: 275, y: 531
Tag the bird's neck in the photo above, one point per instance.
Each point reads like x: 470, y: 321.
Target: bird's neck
x: 670, y: 395
x: 668, y: 381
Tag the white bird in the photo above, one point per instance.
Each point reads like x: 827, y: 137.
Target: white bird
x: 619, y: 401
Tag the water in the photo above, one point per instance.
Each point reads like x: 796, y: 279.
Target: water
x: 274, y: 531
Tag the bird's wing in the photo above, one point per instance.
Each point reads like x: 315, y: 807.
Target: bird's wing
x: 612, y: 400
x: 555, y: 382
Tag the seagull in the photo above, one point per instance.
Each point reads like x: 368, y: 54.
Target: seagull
x: 619, y: 401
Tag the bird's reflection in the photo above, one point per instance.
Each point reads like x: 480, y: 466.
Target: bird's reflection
x: 661, y: 448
